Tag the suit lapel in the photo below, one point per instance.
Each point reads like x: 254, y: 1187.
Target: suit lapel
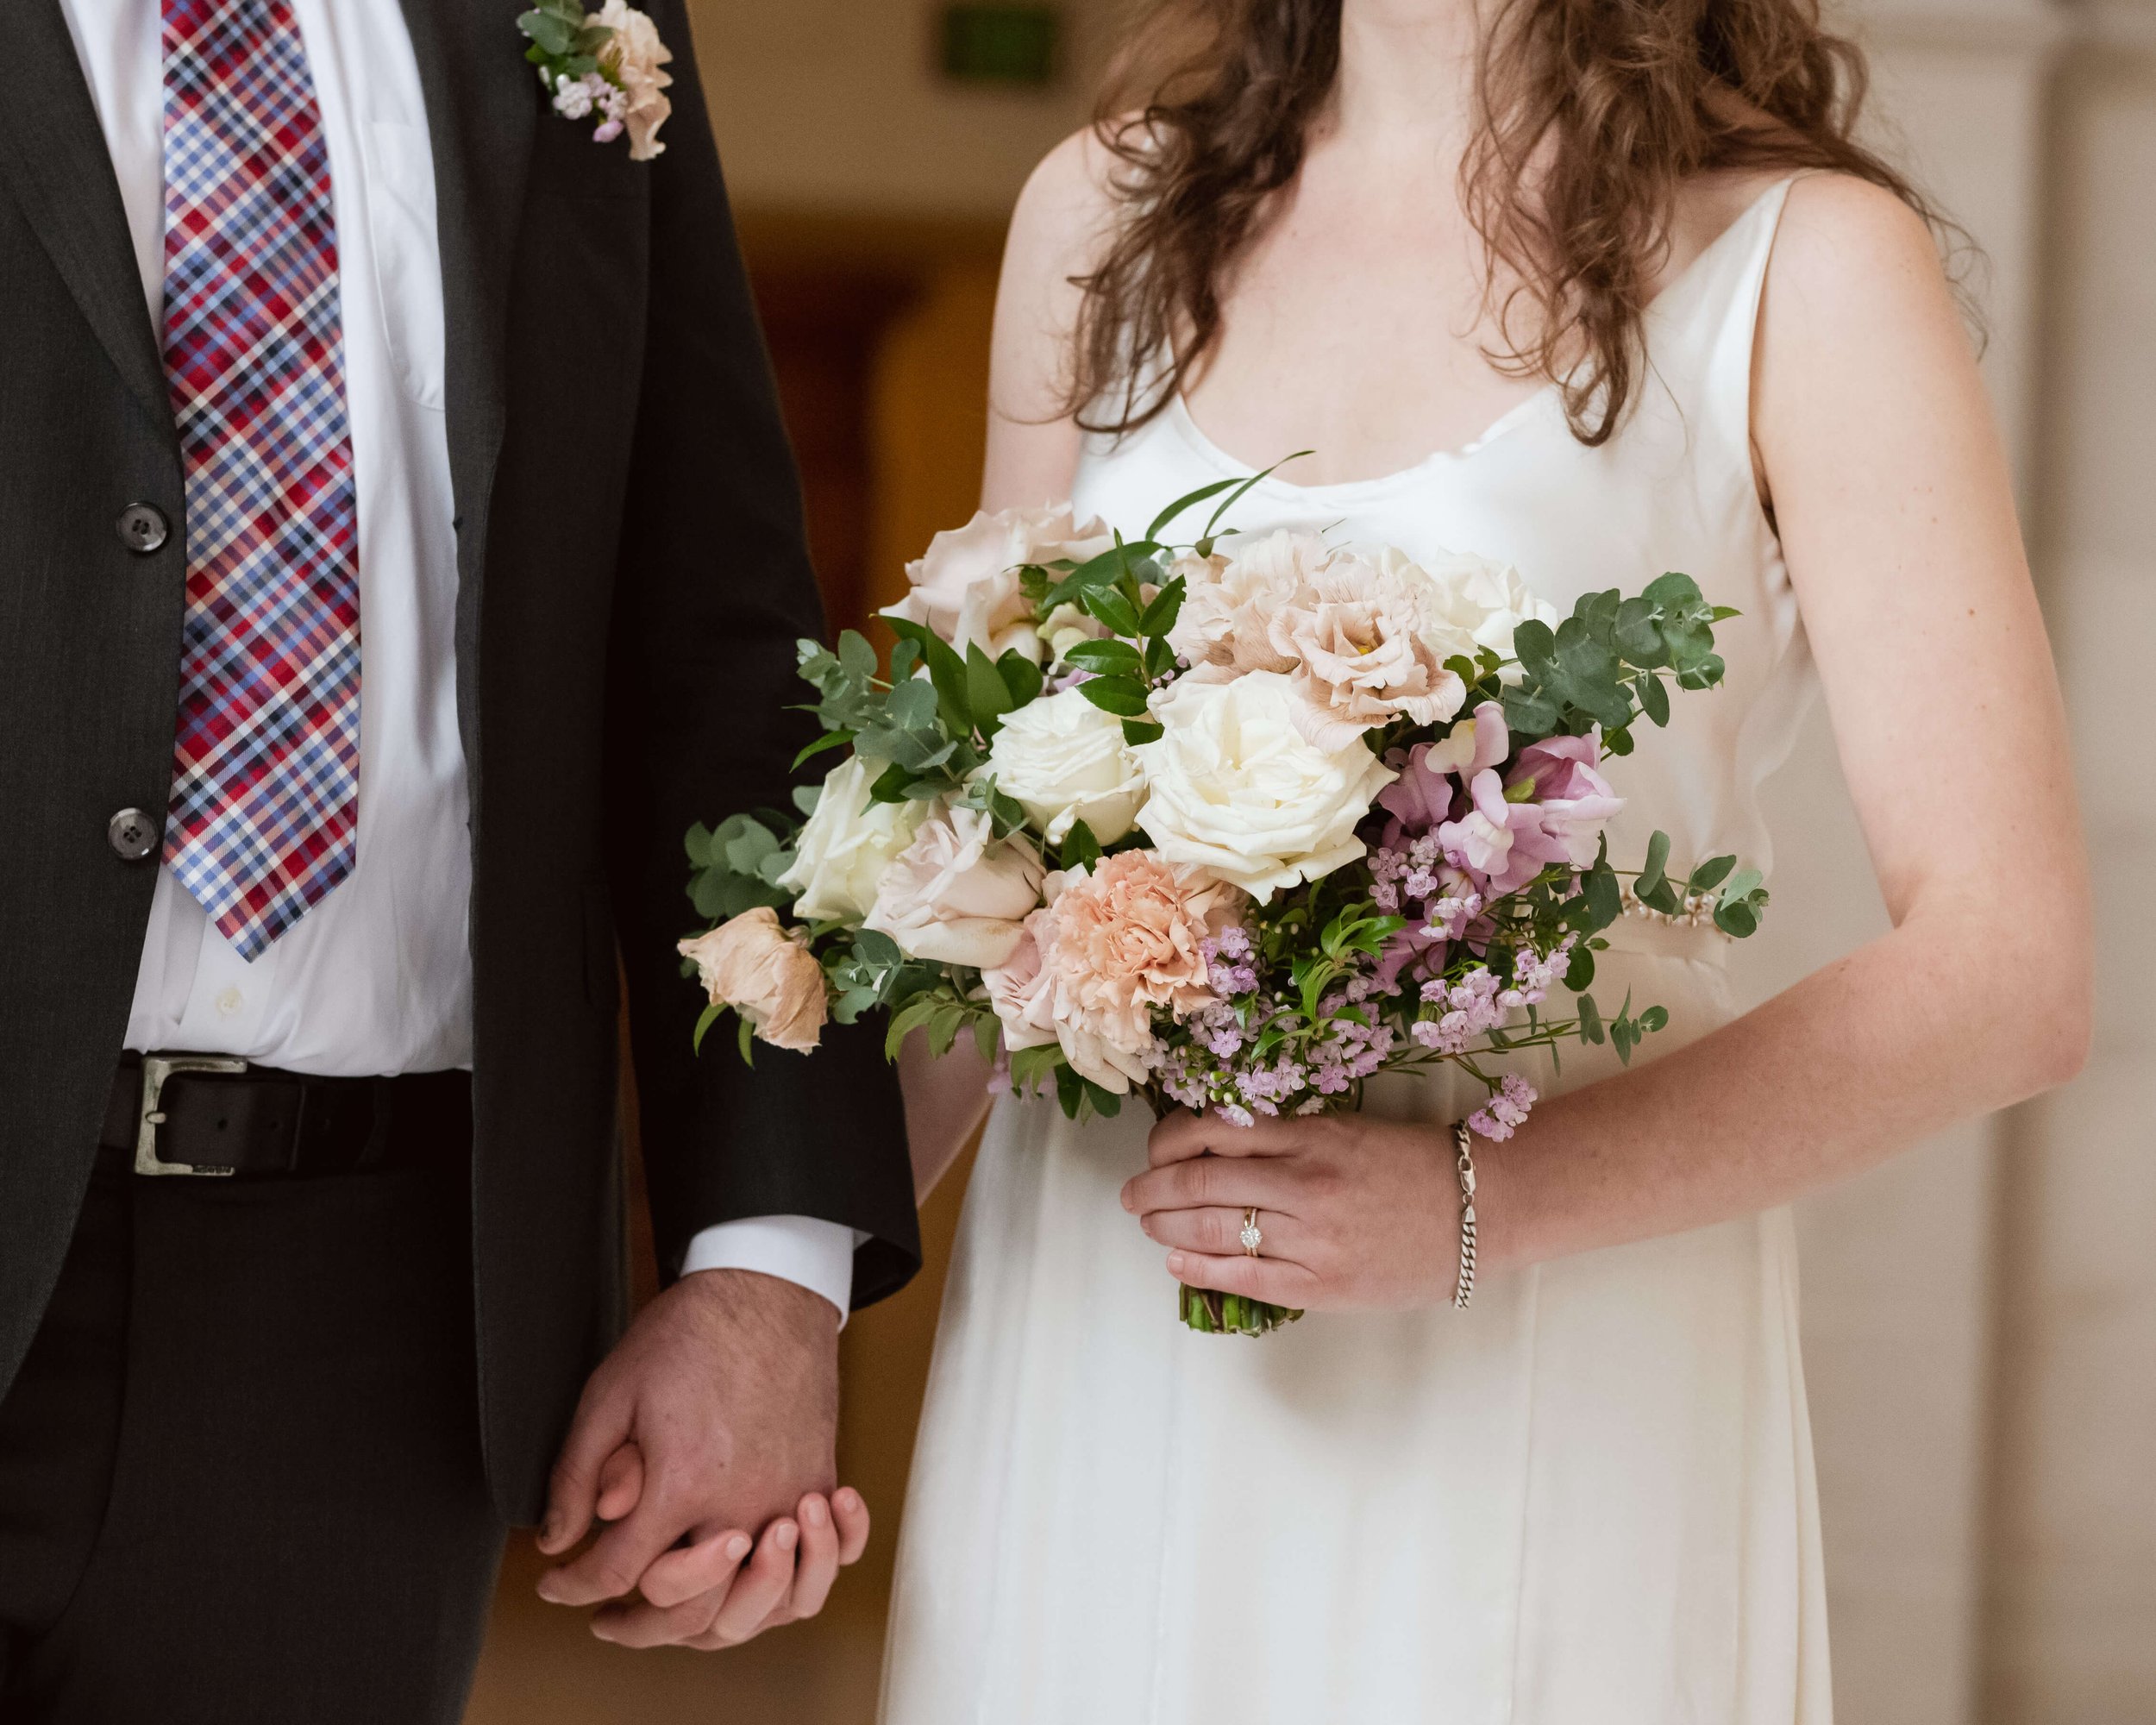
x: 53, y: 153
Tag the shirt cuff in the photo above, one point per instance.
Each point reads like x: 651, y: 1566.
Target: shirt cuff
x: 806, y: 1251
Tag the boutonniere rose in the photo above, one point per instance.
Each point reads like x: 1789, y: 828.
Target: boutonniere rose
x: 603, y: 66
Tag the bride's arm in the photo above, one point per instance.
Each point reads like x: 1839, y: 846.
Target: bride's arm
x: 1032, y: 459
x: 1893, y: 502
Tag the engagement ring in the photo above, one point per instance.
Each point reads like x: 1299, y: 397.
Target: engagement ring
x: 1252, y: 1236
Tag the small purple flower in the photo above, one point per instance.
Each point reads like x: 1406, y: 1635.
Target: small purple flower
x: 1504, y: 1111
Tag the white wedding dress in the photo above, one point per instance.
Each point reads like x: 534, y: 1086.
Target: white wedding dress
x: 1588, y: 1500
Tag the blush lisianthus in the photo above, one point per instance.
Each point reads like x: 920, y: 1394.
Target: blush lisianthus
x: 1357, y: 633
x: 1225, y: 627
x: 765, y: 972
x: 966, y: 587
x: 1235, y: 788
x: 957, y: 894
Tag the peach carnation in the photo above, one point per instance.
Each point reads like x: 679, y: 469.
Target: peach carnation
x: 1130, y: 936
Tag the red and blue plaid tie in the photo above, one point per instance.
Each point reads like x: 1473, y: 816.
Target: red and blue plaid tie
x: 265, y: 803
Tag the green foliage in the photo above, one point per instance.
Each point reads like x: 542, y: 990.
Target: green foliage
x: 737, y: 868
x: 562, y: 44
x: 1609, y: 663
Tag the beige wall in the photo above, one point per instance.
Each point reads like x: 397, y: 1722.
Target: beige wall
x: 836, y: 105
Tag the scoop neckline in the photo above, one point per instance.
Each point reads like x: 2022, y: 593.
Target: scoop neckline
x: 1186, y: 423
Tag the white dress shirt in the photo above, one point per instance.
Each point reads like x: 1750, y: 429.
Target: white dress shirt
x: 377, y: 978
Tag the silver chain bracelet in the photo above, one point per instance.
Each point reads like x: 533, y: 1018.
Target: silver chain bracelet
x: 1464, y: 1291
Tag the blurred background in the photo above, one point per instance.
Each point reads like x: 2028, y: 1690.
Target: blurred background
x: 1980, y: 1316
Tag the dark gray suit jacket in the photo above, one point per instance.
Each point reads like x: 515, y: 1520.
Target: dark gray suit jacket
x: 632, y: 578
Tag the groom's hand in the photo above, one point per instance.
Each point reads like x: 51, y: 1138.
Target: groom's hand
x: 723, y: 1399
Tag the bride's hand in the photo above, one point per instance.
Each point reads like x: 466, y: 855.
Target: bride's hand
x: 1354, y: 1212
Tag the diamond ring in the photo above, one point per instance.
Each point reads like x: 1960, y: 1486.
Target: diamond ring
x: 1252, y: 1236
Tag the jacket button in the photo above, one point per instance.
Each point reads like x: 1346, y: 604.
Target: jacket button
x: 132, y: 834
x: 142, y: 528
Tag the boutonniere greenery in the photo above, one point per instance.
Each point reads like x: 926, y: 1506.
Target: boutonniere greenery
x: 603, y: 66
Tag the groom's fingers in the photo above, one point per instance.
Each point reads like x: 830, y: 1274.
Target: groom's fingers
x: 758, y: 1590
x: 816, y: 1567
x: 679, y: 1576
x: 682, y: 1592
x: 621, y: 1483
x: 601, y: 1426
x: 618, y: 1558
x: 850, y: 1511
x: 647, y: 1625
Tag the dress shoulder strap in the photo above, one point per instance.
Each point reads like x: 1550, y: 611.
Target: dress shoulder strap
x: 1701, y: 329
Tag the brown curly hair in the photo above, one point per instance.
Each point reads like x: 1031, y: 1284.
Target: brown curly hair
x: 1591, y: 114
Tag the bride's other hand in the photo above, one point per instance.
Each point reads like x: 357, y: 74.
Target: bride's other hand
x: 1354, y: 1212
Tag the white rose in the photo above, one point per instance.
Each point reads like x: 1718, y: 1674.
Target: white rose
x: 1064, y: 760
x: 966, y: 585
x: 636, y: 54
x: 848, y: 843
x: 1235, y: 789
x: 956, y: 895
x: 1477, y: 603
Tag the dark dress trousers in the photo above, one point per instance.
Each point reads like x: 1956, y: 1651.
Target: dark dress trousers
x: 632, y: 577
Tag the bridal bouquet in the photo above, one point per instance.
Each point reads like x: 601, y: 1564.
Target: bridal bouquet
x: 1228, y: 823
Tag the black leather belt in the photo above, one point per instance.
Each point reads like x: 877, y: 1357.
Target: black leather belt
x: 210, y: 1116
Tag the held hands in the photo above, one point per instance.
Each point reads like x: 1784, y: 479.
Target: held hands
x: 716, y: 1414
x: 1354, y: 1212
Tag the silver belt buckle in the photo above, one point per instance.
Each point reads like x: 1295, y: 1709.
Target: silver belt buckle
x: 156, y: 1068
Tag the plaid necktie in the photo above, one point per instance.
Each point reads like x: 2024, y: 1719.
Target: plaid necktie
x: 265, y: 801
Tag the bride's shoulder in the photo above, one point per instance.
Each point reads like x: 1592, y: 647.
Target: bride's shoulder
x: 1836, y: 223
x: 1857, y: 275
x: 1067, y: 209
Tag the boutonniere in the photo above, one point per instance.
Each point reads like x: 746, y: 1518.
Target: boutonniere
x: 601, y: 67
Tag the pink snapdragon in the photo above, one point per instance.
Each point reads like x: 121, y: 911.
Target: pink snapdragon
x: 1427, y: 789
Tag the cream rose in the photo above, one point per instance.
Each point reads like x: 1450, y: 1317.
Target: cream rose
x: 1354, y: 631
x: 1477, y: 603
x: 766, y: 973
x: 1235, y: 788
x: 1064, y: 760
x: 956, y: 895
x: 966, y: 585
x: 848, y: 843
x: 636, y: 54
